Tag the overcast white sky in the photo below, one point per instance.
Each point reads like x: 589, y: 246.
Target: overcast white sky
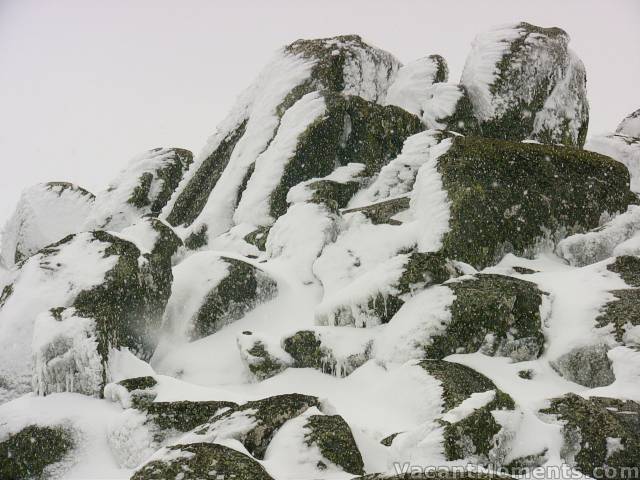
x: 87, y: 84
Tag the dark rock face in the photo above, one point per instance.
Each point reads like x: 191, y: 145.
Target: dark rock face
x: 476, y: 435
x: 507, y: 196
x: 333, y: 437
x: 588, y: 366
x: 621, y: 312
x: 628, y: 267
x: 587, y: 426
x: 200, y: 460
x: 495, y: 313
x: 239, y: 292
x: 28, y: 453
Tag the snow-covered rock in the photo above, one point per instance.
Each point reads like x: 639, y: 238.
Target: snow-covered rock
x: 211, y: 291
x: 117, y: 293
x: 589, y: 427
x: 623, y: 146
x: 142, y: 188
x: 46, y: 213
x: 525, y: 83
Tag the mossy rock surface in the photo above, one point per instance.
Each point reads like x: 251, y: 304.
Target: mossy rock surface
x: 258, y: 238
x: 507, y: 197
x: 352, y: 130
x: 184, y: 415
x: 588, y: 366
x: 306, y: 349
x: 473, y: 436
x: 258, y: 357
x: 27, y: 453
x: 196, y: 461
x: 628, y: 267
x: 268, y: 415
x: 334, y: 195
x: 332, y: 435
x: 383, y: 212
x: 588, y: 423
x: 495, y: 313
x: 168, y: 177
x: 193, y: 197
x: 244, y: 288
x: 624, y: 310
x: 128, y: 304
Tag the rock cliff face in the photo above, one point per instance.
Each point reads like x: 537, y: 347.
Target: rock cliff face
x: 370, y: 271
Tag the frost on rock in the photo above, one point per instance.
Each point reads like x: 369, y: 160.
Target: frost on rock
x: 46, y: 213
x: 201, y: 460
x: 118, y: 291
x: 142, y: 188
x: 623, y: 146
x: 66, y: 359
x: 334, y: 350
x: 525, y: 83
x: 211, y: 291
x: 630, y: 126
x: 615, y: 237
x: 215, y: 183
x: 587, y: 423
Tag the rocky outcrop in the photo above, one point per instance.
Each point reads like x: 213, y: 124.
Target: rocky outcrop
x: 201, y: 460
x: 228, y: 289
x: 142, y: 188
x: 45, y: 213
x: 525, y: 83
x: 598, y: 432
x: 34, y: 450
x: 332, y: 435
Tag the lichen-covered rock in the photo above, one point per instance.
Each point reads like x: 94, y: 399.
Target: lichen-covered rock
x: 473, y: 433
x: 449, y: 107
x: 384, y: 211
x: 472, y: 413
x: 324, y: 349
x: 211, y: 291
x: 509, y: 197
x: 142, y: 188
x: 72, y: 345
x: 136, y: 392
x: 46, y: 213
x: 372, y: 301
x: 195, y: 461
x: 332, y: 435
x: 263, y: 357
x: 621, y: 316
x: 255, y: 423
x: 81, y: 297
x: 628, y: 267
x: 525, y: 83
x: 616, y: 237
x: 598, y: 432
x: 498, y: 314
x: 343, y: 64
x: 588, y: 366
x: 33, y: 451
